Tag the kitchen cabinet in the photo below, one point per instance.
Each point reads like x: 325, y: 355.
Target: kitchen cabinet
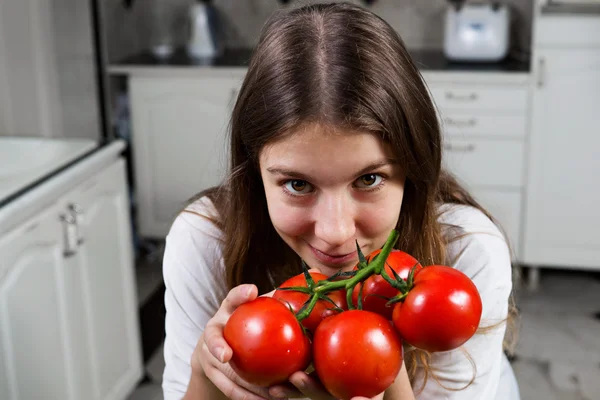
x: 67, y: 296
x: 484, y: 125
x: 179, y: 140
x: 34, y: 339
x: 561, y: 226
x: 179, y: 126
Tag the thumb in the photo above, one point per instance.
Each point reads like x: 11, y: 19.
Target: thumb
x: 237, y: 296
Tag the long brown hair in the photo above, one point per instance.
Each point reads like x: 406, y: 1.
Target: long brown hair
x: 337, y: 65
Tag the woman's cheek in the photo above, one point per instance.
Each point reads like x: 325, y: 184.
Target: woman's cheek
x: 378, y: 220
x: 291, y: 221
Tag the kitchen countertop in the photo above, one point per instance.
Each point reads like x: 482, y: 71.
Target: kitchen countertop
x: 572, y: 9
x: 427, y: 60
x: 25, y: 161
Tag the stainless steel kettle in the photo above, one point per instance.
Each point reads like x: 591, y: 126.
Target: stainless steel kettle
x: 204, y: 33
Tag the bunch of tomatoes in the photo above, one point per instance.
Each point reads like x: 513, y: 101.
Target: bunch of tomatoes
x: 351, y: 326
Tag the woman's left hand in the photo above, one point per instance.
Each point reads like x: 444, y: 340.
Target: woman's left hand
x: 307, y: 386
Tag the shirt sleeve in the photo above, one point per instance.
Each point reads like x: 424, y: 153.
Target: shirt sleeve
x: 483, y: 255
x: 195, y: 287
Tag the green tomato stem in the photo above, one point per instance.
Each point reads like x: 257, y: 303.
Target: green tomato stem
x: 400, y: 285
x: 375, y: 267
x: 349, y: 301
x: 306, y: 310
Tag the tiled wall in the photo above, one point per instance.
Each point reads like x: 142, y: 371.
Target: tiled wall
x: 419, y: 22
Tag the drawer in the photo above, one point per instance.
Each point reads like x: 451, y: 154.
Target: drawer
x: 506, y: 208
x: 486, y: 163
x: 462, y: 123
x: 470, y: 97
x: 583, y: 30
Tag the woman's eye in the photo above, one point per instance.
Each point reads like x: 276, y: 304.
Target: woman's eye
x: 297, y: 186
x: 369, y: 181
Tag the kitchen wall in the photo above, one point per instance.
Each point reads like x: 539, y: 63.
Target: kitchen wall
x: 419, y: 22
x: 76, y: 68
x: 47, y: 69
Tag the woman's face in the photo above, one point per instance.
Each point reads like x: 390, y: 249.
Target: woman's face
x: 327, y: 189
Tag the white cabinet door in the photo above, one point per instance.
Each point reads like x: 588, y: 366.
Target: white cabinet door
x: 108, y: 351
x: 179, y: 142
x: 34, y: 344
x: 563, y: 197
x: 485, y: 163
x: 505, y: 207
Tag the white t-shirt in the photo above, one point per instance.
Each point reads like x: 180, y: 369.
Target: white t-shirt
x: 193, y: 272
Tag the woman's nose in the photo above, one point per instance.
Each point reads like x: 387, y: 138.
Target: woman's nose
x: 335, y: 221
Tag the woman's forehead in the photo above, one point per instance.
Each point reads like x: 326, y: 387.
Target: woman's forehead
x: 311, y: 151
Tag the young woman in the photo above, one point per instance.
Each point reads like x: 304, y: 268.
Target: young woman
x: 334, y: 139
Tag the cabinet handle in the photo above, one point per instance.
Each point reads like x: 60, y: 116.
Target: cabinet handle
x: 541, y: 72
x: 468, y: 123
x: 77, y: 212
x: 70, y: 235
x: 469, y: 97
x: 468, y: 148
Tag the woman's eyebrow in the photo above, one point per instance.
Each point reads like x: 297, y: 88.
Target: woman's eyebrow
x: 284, y: 171
x: 376, y: 165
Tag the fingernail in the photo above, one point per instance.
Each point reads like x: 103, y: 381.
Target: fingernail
x: 220, y: 353
x: 249, y: 292
x: 301, y: 384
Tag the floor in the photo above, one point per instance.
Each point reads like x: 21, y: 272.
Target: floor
x: 558, y: 353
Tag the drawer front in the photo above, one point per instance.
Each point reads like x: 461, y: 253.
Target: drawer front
x: 583, y: 30
x: 505, y: 207
x: 462, y: 123
x: 485, y: 163
x: 468, y: 97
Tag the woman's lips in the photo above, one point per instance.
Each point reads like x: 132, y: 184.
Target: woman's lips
x: 333, y: 259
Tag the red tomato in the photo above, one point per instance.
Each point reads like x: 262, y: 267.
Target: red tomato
x: 441, y: 312
x: 267, y: 341
x: 357, y: 353
x: 376, y: 289
x: 322, y: 309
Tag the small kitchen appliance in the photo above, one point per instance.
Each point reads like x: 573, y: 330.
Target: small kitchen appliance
x: 203, y: 30
x: 477, y: 32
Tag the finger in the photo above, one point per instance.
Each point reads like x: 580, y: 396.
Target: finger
x: 237, y: 296
x: 378, y: 397
x: 213, y: 333
x: 237, y: 380
x: 290, y: 391
x: 270, y: 294
x: 309, y: 387
x: 215, y: 344
x: 229, y: 388
x: 284, y: 391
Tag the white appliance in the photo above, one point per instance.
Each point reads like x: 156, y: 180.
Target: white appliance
x: 477, y: 32
x: 203, y: 41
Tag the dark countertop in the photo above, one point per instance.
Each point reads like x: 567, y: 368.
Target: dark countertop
x: 427, y: 60
x: 180, y: 58
x: 571, y: 9
x: 434, y: 60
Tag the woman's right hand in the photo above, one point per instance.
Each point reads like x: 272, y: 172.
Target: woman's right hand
x: 212, y: 354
